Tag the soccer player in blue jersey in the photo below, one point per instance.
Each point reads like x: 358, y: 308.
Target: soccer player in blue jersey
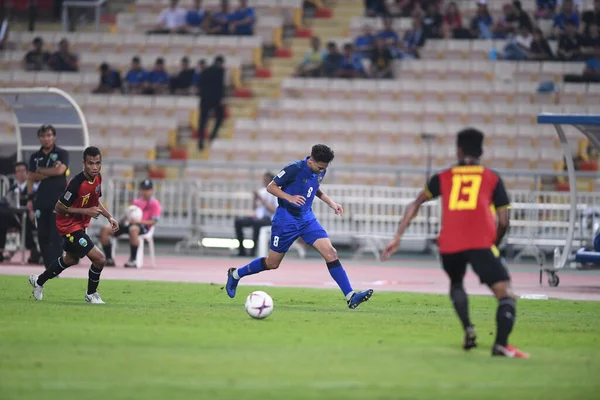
x: 296, y: 187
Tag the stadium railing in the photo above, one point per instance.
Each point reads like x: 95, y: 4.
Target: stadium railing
x: 194, y: 209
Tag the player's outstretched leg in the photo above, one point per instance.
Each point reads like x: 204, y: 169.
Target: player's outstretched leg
x: 98, y: 260
x: 338, y: 273
x: 55, y: 269
x: 505, y: 319
x: 255, y: 266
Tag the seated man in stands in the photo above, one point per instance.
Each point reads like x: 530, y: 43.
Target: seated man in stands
x: 110, y: 80
x: 63, y: 60
x: 570, y: 44
x: 313, y: 60
x: 265, y: 206
x: 381, y: 61
x: 183, y: 81
x: 136, y: 79
x: 351, y: 65
x: 9, y: 219
x: 158, y: 78
x: 36, y: 59
x: 364, y: 43
x: 171, y: 20
x: 194, y: 19
x: 332, y: 61
x: 151, y: 209
x: 241, y: 21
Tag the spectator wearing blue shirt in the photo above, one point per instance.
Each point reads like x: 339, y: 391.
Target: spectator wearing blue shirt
x: 481, y: 23
x: 545, y: 9
x: 365, y: 43
x: 220, y: 20
x: 136, y: 78
x: 194, y: 19
x: 241, y: 21
x: 158, y: 77
x: 567, y: 14
x: 351, y: 65
x: 389, y: 35
x: 110, y: 80
x: 413, y: 39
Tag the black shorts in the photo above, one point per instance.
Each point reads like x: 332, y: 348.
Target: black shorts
x: 124, y: 229
x: 485, y: 263
x: 78, y: 243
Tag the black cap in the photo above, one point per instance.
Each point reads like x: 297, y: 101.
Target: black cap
x: 146, y: 184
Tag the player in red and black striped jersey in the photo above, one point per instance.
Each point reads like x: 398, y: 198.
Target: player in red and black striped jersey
x: 78, y: 204
x: 472, y: 198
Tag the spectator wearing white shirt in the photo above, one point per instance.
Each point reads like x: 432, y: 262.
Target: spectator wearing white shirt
x: 519, y: 46
x: 171, y: 20
x: 265, y: 206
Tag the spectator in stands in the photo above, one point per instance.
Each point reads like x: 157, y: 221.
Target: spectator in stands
x: 364, y: 44
x: 389, y: 35
x: 36, y: 59
x: 151, y: 212
x: 211, y: 90
x: 514, y: 17
x: 158, y: 78
x: 570, y: 43
x: 567, y: 14
x: 63, y: 60
x: 452, y: 23
x: 241, y: 21
x: 591, y: 17
x: 413, y: 40
x: 545, y: 9
x: 376, y: 8
x: 351, y: 65
x: 194, y: 18
x: 481, y: 24
x: 196, y: 79
x: 110, y: 80
x: 265, y: 205
x: 540, y: 49
x: 432, y: 21
x: 171, y: 20
x: 519, y: 46
x: 332, y: 61
x: 136, y: 78
x: 313, y: 60
x: 381, y: 61
x: 220, y: 20
x: 183, y: 81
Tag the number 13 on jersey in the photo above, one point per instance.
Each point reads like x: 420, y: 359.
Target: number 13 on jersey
x: 465, y: 192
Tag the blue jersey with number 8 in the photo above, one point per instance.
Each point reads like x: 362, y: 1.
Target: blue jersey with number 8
x: 297, y: 179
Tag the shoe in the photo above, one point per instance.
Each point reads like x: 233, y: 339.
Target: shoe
x: 38, y: 291
x: 231, y: 284
x: 130, y: 264
x: 470, y: 338
x: 93, y: 298
x: 509, y: 351
x: 110, y: 263
x: 359, y: 297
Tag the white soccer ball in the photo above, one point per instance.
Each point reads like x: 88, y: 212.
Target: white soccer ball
x: 134, y: 213
x: 259, y: 305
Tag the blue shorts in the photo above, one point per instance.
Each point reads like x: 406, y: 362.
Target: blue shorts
x: 285, y: 232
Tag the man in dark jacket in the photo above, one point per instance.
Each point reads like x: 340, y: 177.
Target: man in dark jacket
x: 211, y: 87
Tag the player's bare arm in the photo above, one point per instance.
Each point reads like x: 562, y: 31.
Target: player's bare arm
x: 114, y: 224
x: 90, y: 211
x: 409, y: 214
x: 503, y: 223
x: 332, y: 204
x: 277, y: 192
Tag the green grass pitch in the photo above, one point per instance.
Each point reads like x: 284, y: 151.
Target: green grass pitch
x: 155, y: 340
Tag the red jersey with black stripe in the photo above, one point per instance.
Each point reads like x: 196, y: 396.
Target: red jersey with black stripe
x: 80, y: 193
x: 469, y: 196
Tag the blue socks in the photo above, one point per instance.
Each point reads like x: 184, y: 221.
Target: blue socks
x: 339, y: 276
x: 257, y: 265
